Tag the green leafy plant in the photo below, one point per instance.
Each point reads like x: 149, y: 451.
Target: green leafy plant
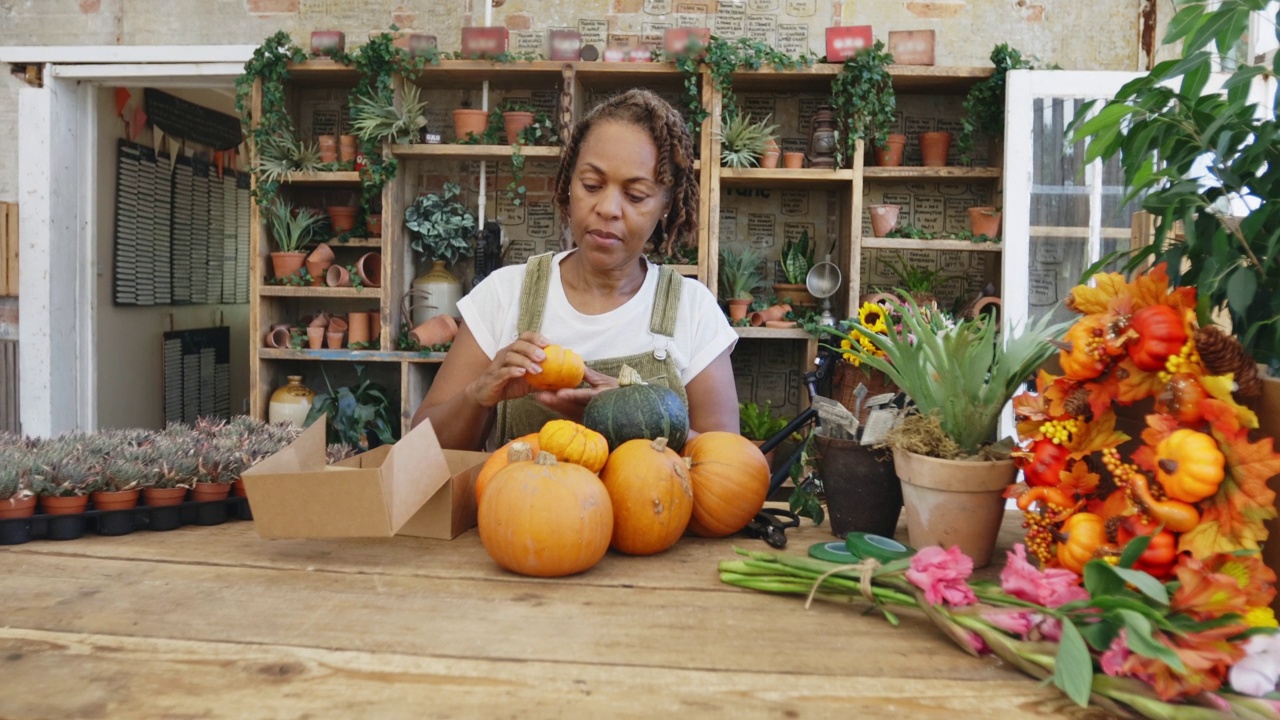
x: 281, y: 154
x: 270, y: 65
x: 442, y: 226
x: 291, y: 227
x: 863, y: 99
x: 757, y: 422
x: 377, y: 61
x: 806, y: 495
x: 916, y: 280
x: 960, y: 373
x: 740, y: 273
x: 912, y: 232
x: 1167, y: 129
x: 984, y: 104
x: 743, y: 141
x: 353, y: 413
x: 797, y: 259
x: 376, y: 119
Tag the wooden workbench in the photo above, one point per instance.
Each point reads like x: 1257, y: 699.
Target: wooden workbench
x: 216, y: 622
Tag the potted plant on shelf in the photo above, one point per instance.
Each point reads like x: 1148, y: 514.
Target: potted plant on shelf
x: 797, y: 259
x: 920, y: 283
x: 984, y: 221
x: 358, y: 415
x: 984, y: 104
x: 283, y: 153
x: 469, y: 124
x: 743, y: 142
x: 441, y: 229
x: 740, y: 275
x: 884, y: 218
x: 959, y: 375
x: 757, y: 424
x: 375, y: 118
x: 291, y: 228
x: 516, y: 116
x: 863, y: 99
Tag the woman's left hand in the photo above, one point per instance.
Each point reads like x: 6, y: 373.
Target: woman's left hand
x: 571, y: 402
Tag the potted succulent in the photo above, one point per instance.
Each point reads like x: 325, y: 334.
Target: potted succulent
x: 441, y: 229
x: 959, y: 375
x: 740, y: 275
x: 864, y: 102
x: 292, y: 229
x: 62, y: 477
x: 797, y: 259
x: 742, y: 142
x: 376, y: 118
x: 920, y: 283
x: 16, y: 497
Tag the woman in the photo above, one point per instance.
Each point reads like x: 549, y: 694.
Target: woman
x: 626, y: 178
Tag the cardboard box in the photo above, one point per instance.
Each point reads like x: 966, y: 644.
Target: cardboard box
x: 485, y: 42
x: 413, y: 484
x: 911, y: 47
x: 845, y: 42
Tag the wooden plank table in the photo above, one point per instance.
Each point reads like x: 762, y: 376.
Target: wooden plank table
x: 216, y: 622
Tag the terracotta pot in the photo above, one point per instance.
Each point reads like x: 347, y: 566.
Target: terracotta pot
x: 328, y: 148
x: 17, y: 507
x: 770, y: 159
x: 237, y: 488
x: 513, y: 122
x: 207, y: 492
x: 336, y: 324
x: 163, y: 497
x: 342, y: 218
x: 793, y: 159
x: 436, y: 331
x: 954, y: 502
x: 347, y: 149
x: 375, y: 325
x: 373, y: 224
x: 318, y: 262
x: 337, y: 276
x: 278, y: 338
x: 738, y: 309
x: 115, y: 499
x: 467, y: 121
x: 934, y: 147
x: 988, y: 303
x: 320, y: 320
x: 334, y: 338
x: 369, y: 266
x: 357, y: 328
x: 285, y: 264
x: 862, y: 490
x: 64, y: 505
x: 984, y: 221
x: 774, y: 312
x: 315, y: 337
x: 878, y: 298
x: 883, y: 218
x: 797, y: 295
x: 891, y: 154
x: 781, y: 324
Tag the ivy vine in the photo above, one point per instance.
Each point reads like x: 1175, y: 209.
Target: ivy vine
x: 864, y: 102
x: 984, y: 104
x: 270, y: 64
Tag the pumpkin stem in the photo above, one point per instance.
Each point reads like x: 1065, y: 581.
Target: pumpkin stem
x: 519, y: 452
x: 545, y: 458
x: 1168, y: 465
x: 1064, y: 346
x: 659, y: 444
x: 629, y: 376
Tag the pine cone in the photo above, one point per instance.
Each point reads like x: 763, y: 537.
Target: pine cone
x: 1077, y: 404
x: 1222, y: 353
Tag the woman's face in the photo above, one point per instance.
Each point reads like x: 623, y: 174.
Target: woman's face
x: 615, y: 202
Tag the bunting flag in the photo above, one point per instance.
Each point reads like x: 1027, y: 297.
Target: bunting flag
x: 175, y: 148
x: 217, y: 162
x: 139, y: 121
x: 122, y: 99
x: 157, y: 140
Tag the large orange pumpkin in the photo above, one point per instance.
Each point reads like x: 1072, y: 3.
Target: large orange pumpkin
x: 562, y: 368
x: 545, y: 518
x: 648, y: 485
x: 730, y: 479
x: 571, y: 442
x: 1161, y: 333
x: 500, y: 459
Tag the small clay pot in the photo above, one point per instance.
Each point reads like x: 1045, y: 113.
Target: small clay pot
x: 436, y: 331
x: 738, y: 309
x: 286, y: 264
x: 278, y: 338
x: 315, y: 337
x: 770, y: 159
x: 328, y: 148
x: 162, y: 497
x: 775, y: 312
x: 357, y: 328
x: 793, y: 159
x: 342, y: 218
x: 335, y: 339
x: 208, y: 492
x: 347, y: 148
x: 891, y: 154
x: 984, y: 221
x: 373, y: 225
x: 115, y: 499
x: 337, y: 276
x: 337, y: 324
x: 318, y: 262
x: 369, y: 266
x: 934, y: 147
x: 64, y: 505
x: 327, y: 42
x: 320, y: 320
x: 17, y: 507
x: 513, y: 122
x: 883, y: 218
x: 468, y: 121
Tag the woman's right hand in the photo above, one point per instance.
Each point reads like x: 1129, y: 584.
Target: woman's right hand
x: 504, y: 378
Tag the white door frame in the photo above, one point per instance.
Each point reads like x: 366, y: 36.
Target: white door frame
x: 57, y: 127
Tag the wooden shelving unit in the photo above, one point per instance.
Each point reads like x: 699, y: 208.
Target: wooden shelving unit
x: 280, y: 303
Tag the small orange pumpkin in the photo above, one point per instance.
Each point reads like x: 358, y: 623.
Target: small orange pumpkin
x: 648, y: 484
x: 1083, y: 534
x: 1189, y: 465
x: 545, y: 518
x: 1046, y: 466
x: 1181, y: 398
x: 562, y: 368
x: 1085, y: 359
x: 1161, y: 333
x: 571, y: 442
x: 730, y: 480
x: 501, y: 458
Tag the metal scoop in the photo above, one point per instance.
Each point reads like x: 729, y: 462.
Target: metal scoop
x: 822, y: 282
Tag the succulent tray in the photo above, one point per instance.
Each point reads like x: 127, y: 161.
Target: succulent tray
x: 40, y: 526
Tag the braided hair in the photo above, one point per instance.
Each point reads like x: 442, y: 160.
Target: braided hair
x: 675, y: 173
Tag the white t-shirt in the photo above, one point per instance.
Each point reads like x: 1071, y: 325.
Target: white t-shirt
x: 492, y: 311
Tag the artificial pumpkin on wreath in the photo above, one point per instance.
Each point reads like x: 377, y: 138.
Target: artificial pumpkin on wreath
x: 1083, y: 535
x: 648, y: 484
x: 545, y: 518
x: 502, y: 457
x: 1189, y: 465
x: 730, y: 480
x: 1161, y: 333
x: 636, y: 410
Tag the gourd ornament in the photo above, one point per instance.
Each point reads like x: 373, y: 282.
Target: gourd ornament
x: 635, y: 410
x: 545, y: 518
x: 648, y: 484
x: 562, y: 368
x: 1161, y: 333
x: 503, y: 457
x: 1162, y: 550
x: 1048, y: 461
x: 1181, y: 398
x: 1189, y: 465
x: 730, y: 479
x: 1084, y: 355
x: 571, y: 442
x: 1083, y: 534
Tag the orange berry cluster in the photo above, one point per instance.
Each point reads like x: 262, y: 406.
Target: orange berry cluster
x: 1041, y: 539
x: 1120, y: 470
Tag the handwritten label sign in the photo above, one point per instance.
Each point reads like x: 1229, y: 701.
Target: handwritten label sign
x: 928, y: 213
x: 759, y: 107
x: 761, y: 27
x: 657, y: 7
x: 760, y: 230
x: 593, y: 31
x: 542, y: 220
x: 802, y: 8
x: 957, y: 213
x: 762, y: 6
x: 190, y: 121
x: 728, y: 224
x: 793, y: 39
x: 795, y: 202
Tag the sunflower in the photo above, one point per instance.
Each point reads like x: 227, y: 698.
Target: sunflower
x: 872, y: 317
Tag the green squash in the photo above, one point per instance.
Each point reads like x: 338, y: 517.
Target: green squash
x: 636, y: 410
